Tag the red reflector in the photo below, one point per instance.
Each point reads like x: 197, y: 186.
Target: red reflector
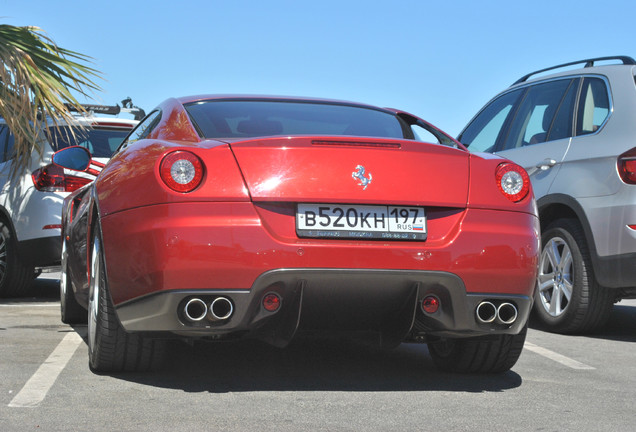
x: 632, y: 227
x: 51, y: 227
x: 271, y: 302
x: 430, y: 304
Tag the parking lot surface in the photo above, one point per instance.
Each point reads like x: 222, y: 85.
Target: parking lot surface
x: 561, y: 383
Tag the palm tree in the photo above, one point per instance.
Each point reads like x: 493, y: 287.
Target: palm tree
x: 36, y: 81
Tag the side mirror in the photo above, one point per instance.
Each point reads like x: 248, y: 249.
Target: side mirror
x: 75, y: 158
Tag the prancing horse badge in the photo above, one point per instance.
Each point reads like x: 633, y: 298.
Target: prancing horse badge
x: 359, y: 174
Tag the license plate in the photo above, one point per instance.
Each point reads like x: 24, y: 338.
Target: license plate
x: 360, y: 221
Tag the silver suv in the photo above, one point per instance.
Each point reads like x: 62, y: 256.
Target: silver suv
x: 575, y: 133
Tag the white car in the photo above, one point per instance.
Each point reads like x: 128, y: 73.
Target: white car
x: 31, y: 199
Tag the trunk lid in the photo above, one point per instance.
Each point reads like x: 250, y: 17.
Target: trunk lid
x: 353, y: 170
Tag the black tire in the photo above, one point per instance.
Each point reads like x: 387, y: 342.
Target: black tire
x: 110, y: 347
x: 15, y: 277
x: 568, y: 299
x: 488, y: 354
x: 70, y: 310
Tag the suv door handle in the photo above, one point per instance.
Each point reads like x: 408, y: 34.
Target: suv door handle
x: 546, y: 164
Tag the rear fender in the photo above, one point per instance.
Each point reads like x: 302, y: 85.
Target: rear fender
x: 77, y: 231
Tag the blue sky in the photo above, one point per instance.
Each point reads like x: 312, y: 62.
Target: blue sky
x: 439, y: 60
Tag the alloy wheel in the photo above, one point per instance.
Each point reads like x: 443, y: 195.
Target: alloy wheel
x: 94, y: 290
x: 556, y: 276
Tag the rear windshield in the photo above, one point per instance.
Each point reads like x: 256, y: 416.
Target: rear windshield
x: 101, y: 142
x: 254, y: 118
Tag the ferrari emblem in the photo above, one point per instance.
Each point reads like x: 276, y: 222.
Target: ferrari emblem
x: 359, y: 174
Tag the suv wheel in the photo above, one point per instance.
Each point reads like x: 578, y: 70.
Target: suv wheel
x: 568, y: 299
x: 15, y: 277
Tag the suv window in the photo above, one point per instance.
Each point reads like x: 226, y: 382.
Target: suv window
x: 100, y: 141
x: 535, y: 116
x: 481, y: 135
x: 593, y: 107
x: 562, y: 124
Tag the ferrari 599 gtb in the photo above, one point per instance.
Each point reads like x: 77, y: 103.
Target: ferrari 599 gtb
x: 225, y: 217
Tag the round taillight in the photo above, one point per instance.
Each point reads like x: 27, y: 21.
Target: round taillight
x: 430, y: 304
x: 512, y: 181
x: 271, y: 302
x: 181, y: 171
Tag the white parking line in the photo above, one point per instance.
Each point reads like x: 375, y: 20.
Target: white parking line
x: 36, y: 388
x: 566, y: 361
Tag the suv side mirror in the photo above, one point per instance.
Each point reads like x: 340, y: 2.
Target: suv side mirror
x: 75, y: 158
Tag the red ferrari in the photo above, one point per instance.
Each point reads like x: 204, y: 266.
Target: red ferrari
x: 225, y: 217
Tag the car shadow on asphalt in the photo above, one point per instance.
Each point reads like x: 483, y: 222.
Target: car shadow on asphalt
x: 310, y: 364
x: 41, y: 290
x: 620, y: 327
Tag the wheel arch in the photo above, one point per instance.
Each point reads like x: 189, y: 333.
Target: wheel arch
x: 92, y: 225
x: 557, y: 206
x: 6, y: 218
x: 18, y: 272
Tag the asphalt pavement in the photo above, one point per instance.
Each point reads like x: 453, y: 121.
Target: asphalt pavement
x: 561, y: 383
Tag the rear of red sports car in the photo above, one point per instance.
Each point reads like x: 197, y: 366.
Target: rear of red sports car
x: 225, y: 217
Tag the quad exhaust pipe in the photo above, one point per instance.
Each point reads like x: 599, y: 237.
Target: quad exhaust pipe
x: 221, y: 309
x: 487, y: 312
x: 197, y: 309
x: 506, y: 313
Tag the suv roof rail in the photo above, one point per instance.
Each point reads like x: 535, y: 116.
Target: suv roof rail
x: 588, y: 63
x: 137, y: 112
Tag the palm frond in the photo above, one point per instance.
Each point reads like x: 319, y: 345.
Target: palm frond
x: 37, y: 79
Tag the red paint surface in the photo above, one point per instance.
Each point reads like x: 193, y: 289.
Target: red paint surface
x: 228, y: 245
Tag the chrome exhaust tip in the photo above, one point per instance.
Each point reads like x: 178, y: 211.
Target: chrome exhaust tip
x: 221, y: 308
x: 195, y: 310
x: 506, y: 313
x: 486, y: 312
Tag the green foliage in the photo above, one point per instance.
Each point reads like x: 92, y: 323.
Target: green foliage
x: 37, y: 79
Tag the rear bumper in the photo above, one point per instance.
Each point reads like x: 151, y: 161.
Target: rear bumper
x: 41, y: 252
x: 377, y: 303
x: 37, y: 215
x: 236, y: 250
x: 617, y: 271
